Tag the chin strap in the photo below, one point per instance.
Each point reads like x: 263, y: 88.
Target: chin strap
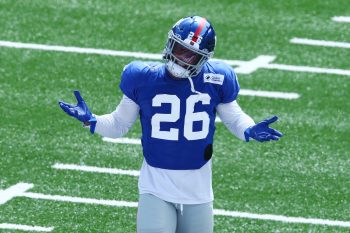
x: 192, y: 86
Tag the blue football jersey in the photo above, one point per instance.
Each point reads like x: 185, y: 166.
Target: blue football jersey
x: 178, y: 125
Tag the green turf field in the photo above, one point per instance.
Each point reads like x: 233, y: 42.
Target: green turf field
x: 306, y: 174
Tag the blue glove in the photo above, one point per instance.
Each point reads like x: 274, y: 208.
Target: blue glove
x: 80, y: 111
x: 262, y: 132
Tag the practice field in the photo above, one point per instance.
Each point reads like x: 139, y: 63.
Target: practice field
x: 292, y: 60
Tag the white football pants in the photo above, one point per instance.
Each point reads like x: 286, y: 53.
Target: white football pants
x: 157, y: 216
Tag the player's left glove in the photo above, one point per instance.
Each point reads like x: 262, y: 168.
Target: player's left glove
x: 262, y: 132
x: 80, y: 111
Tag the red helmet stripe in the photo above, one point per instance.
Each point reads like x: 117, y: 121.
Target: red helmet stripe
x: 199, y: 29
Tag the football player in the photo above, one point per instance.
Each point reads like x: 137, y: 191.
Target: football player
x: 177, y: 102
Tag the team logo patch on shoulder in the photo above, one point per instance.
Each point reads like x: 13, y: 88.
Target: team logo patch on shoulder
x: 213, y: 78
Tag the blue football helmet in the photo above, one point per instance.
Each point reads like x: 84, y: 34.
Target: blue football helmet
x: 191, y: 42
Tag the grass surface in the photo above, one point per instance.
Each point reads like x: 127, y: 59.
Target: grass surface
x: 306, y: 174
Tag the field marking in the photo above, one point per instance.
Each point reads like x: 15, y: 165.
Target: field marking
x: 134, y: 141
x: 270, y: 94
x: 281, y: 218
x: 252, y: 65
x: 341, y: 19
x: 153, y: 56
x: 307, y: 69
x: 80, y: 200
x: 71, y: 49
x: 10, y: 226
x: 324, y: 43
x: 13, y: 191
x: 218, y: 212
x: 84, y: 168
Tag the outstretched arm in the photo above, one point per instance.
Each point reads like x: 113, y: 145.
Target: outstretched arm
x: 233, y: 117
x: 243, y: 126
x: 113, y: 125
x: 118, y: 123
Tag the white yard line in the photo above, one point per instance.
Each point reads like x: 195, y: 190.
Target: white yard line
x: 341, y: 19
x: 84, y: 168
x: 307, y: 69
x: 217, y: 119
x: 251, y: 66
x: 79, y: 200
x: 71, y: 49
x: 270, y: 94
x: 153, y: 56
x: 9, y: 226
x: 13, y: 191
x: 324, y: 43
x: 281, y: 218
x: 218, y: 212
x: 134, y: 141
x: 278, y: 218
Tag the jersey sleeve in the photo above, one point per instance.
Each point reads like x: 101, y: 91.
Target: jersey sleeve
x: 118, y: 123
x: 129, y: 80
x: 230, y: 87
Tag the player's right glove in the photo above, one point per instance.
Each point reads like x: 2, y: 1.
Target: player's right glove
x: 262, y: 132
x: 80, y: 111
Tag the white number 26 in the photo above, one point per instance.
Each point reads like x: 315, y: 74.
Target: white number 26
x: 174, y: 115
